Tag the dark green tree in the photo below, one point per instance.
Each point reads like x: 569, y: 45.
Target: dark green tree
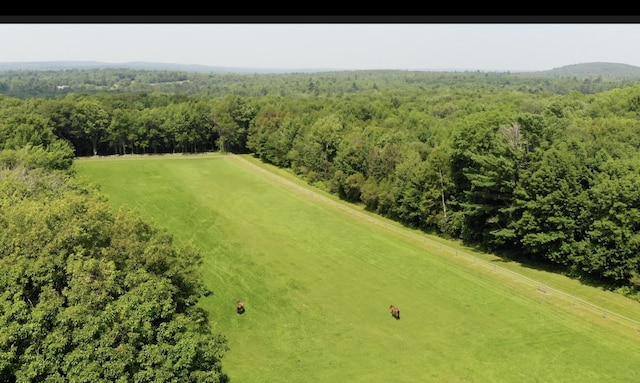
x: 90, y: 122
x: 89, y: 295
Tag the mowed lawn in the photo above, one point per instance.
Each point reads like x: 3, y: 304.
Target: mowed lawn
x: 317, y: 282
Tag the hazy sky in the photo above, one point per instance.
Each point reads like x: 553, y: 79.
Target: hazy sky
x: 417, y: 46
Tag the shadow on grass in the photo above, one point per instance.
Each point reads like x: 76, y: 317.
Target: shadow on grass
x: 551, y: 267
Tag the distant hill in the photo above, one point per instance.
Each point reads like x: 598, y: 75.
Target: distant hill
x: 592, y: 70
x: 141, y: 65
x: 585, y: 70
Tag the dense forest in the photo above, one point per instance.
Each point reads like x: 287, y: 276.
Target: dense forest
x: 51, y: 81
x: 540, y: 169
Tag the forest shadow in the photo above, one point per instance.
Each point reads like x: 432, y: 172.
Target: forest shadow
x: 550, y: 267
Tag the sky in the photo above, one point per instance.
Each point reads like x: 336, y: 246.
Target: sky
x: 328, y: 46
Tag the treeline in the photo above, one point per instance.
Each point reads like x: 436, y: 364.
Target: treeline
x: 536, y: 176
x: 88, y: 294
x: 551, y: 179
x: 56, y: 83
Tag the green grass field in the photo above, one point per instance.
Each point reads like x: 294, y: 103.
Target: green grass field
x: 318, y: 277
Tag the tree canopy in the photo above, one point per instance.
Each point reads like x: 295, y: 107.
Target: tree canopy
x: 92, y: 295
